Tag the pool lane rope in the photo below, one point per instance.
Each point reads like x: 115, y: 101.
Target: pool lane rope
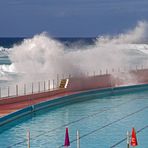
x: 124, y: 139
x: 72, y: 122
x: 109, y: 124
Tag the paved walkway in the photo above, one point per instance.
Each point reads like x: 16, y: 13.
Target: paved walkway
x: 6, y: 109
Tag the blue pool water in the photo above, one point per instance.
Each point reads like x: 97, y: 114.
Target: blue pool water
x: 102, y: 122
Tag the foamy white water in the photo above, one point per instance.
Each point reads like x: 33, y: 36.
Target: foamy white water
x: 42, y: 57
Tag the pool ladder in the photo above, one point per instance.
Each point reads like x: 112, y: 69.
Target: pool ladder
x: 64, y: 83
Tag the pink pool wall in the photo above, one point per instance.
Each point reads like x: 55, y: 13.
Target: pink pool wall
x: 86, y: 83
x: 108, y: 80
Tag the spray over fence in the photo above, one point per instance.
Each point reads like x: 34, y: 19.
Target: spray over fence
x: 42, y: 58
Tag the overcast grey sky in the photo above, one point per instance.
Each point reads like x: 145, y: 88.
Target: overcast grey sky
x: 69, y: 18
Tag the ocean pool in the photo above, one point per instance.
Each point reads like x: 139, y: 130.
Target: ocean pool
x: 102, y: 122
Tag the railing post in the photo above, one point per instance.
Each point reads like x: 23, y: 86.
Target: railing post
x: 100, y: 72
x: 113, y: 70
x: 44, y: 86
x: 48, y: 84
x: 53, y: 84
x: 0, y: 93
x: 16, y: 90
x: 62, y: 76
x: 136, y: 68
x: 38, y: 86
x: 8, y: 91
x: 106, y: 71
x: 94, y: 73
x: 57, y: 80
x: 87, y: 74
x: 69, y: 76
x: 32, y: 87
x: 118, y: 69
x: 24, y: 89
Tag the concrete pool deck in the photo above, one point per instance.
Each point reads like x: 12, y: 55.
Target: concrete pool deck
x: 8, y: 108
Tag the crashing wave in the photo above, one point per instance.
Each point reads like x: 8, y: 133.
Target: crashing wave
x: 7, y: 72
x: 4, y: 52
x: 42, y: 54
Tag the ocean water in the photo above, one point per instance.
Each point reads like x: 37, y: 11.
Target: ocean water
x: 41, y: 57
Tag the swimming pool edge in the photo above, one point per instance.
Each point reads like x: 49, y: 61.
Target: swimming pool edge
x: 66, y: 99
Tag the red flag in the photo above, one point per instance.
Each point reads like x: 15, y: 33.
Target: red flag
x: 134, y: 138
x: 67, y: 143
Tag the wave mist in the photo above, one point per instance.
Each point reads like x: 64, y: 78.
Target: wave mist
x: 42, y: 57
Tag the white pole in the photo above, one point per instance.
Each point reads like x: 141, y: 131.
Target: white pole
x: 78, y: 139
x: 53, y: 84
x: 38, y: 86
x: 16, y: 90
x: 128, y: 139
x: 44, y: 85
x: 57, y: 80
x: 28, y: 139
x: 8, y: 91
x: 48, y: 84
x: 24, y: 89
x: 0, y: 92
x: 32, y: 87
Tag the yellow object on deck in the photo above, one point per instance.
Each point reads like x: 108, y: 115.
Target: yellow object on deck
x: 64, y: 83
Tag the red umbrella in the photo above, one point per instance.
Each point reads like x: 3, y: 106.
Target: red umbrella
x: 134, y: 138
x: 67, y: 143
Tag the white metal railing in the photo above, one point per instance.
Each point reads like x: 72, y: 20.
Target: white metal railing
x: 49, y: 85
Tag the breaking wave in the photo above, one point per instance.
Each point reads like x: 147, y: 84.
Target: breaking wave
x: 42, y: 56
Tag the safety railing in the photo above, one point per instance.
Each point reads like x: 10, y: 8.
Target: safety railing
x: 49, y: 85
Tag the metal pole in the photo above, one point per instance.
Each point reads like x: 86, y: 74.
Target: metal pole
x: 100, y: 72
x: 87, y: 74
x: 94, y: 73
x: 62, y: 76
x: 32, y: 87
x: 53, y: 84
x: 106, y: 71
x: 78, y: 139
x: 69, y: 76
x: 28, y: 139
x: 113, y: 70
x: 16, y: 90
x: 38, y: 86
x: 8, y: 91
x: 44, y: 86
x: 136, y: 68
x: 57, y: 80
x: 48, y: 84
x: 0, y: 93
x: 128, y: 139
x: 24, y: 89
